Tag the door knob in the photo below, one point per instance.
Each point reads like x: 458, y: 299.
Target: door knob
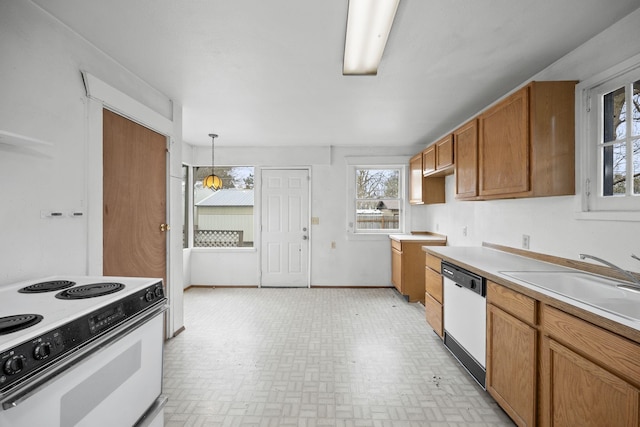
x: 165, y: 227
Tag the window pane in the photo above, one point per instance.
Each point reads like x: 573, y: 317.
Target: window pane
x: 378, y: 214
x: 224, y: 217
x: 185, y: 208
x: 378, y: 202
x: 636, y: 167
x: 635, y: 110
x: 615, y: 170
x: 377, y: 183
x: 614, y: 115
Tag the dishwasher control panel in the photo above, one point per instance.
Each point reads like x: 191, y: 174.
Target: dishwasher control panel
x: 464, y: 278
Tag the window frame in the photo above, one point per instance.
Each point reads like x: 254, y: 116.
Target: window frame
x: 589, y: 119
x: 391, y: 162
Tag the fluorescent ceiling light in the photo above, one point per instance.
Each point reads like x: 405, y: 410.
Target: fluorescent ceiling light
x: 368, y: 26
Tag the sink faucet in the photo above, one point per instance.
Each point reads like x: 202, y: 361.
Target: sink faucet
x: 615, y: 267
x: 634, y: 256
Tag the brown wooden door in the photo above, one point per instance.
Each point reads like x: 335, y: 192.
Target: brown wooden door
x: 415, y: 180
x: 134, y: 199
x: 504, y: 146
x: 466, y: 160
x: 511, y: 365
x: 581, y: 393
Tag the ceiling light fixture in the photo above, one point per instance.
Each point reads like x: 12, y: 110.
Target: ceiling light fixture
x: 212, y: 181
x: 368, y: 27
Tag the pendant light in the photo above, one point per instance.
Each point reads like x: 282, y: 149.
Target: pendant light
x: 212, y: 181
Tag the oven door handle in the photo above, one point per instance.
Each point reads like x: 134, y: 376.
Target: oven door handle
x: 35, y: 383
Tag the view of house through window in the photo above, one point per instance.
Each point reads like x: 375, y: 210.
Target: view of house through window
x: 224, y: 217
x: 621, y: 141
x: 378, y: 200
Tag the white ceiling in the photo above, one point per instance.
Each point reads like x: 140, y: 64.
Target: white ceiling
x: 269, y: 73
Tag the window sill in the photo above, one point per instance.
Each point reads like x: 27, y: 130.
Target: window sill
x: 223, y: 249
x: 370, y: 236
x: 625, y: 216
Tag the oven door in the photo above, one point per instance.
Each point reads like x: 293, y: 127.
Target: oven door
x: 113, y: 386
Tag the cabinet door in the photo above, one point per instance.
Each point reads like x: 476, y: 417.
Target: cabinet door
x: 511, y: 365
x: 429, y: 160
x: 444, y: 152
x: 415, y: 180
x: 465, y: 142
x: 396, y: 269
x: 578, y: 392
x: 504, y: 146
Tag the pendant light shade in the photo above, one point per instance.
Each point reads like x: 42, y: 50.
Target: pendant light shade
x: 212, y: 181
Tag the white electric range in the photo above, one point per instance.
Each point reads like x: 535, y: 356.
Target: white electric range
x: 81, y: 351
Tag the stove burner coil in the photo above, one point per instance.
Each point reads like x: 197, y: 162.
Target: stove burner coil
x: 11, y: 324
x: 90, y: 291
x: 53, y: 285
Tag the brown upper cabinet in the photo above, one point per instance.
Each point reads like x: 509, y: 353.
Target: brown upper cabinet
x: 465, y: 140
x: 437, y: 159
x: 423, y: 190
x: 525, y: 146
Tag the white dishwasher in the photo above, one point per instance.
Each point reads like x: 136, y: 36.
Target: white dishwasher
x: 465, y: 319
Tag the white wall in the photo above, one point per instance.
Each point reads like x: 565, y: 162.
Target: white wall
x: 43, y: 97
x: 353, y: 262
x: 553, y: 223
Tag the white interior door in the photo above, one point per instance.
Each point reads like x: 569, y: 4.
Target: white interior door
x: 285, y: 227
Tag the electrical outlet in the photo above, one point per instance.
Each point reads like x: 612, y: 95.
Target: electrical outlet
x: 464, y: 231
x: 437, y: 227
x: 525, y: 241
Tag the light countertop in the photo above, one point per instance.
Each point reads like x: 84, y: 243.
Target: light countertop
x: 419, y: 237
x: 490, y: 263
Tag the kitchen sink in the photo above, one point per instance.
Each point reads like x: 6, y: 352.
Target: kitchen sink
x: 600, y: 292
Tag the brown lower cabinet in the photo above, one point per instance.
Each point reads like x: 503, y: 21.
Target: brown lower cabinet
x: 590, y: 376
x: 550, y: 368
x: 433, y: 298
x: 407, y: 266
x: 511, y: 352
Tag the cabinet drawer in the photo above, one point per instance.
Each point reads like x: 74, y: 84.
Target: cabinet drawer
x: 433, y: 284
x: 396, y: 245
x: 432, y: 262
x: 433, y: 310
x: 519, y: 305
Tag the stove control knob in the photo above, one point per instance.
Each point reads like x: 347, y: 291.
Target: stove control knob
x: 159, y: 292
x: 14, y: 365
x: 149, y: 296
x: 42, y: 351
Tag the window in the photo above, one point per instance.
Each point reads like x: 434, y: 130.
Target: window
x: 225, y: 217
x: 378, y: 200
x: 612, y: 165
x: 185, y: 206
